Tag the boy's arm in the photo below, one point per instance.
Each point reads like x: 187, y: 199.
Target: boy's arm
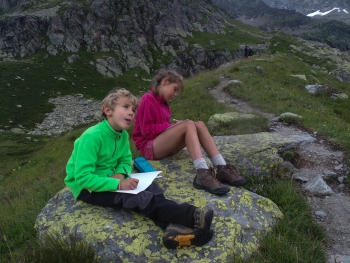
x: 146, y: 120
x: 124, y: 161
x: 85, y: 167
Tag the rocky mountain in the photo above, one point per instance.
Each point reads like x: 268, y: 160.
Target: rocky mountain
x: 329, y: 25
x: 135, y: 32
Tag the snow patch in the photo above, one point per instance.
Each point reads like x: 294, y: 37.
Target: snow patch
x: 318, y: 13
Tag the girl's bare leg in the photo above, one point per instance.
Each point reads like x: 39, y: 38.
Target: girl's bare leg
x: 176, y: 138
x: 206, y: 140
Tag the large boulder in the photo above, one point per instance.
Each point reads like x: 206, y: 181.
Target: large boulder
x: 241, y: 217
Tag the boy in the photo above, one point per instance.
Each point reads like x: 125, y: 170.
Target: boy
x: 98, y: 165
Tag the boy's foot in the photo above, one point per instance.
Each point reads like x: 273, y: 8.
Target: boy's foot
x: 205, y: 179
x: 177, y: 236
x: 202, y: 218
x: 228, y: 174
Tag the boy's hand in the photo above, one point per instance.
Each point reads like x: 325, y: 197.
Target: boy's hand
x: 129, y: 184
x: 118, y: 176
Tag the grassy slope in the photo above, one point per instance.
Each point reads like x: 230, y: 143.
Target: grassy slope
x: 34, y: 171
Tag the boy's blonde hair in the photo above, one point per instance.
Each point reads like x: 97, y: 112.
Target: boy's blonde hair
x: 173, y: 77
x: 112, y: 98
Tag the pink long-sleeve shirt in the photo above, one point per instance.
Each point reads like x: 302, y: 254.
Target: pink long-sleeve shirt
x: 152, y: 118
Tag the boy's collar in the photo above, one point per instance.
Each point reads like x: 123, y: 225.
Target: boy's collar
x: 110, y: 131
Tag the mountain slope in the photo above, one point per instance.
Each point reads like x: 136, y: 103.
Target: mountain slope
x: 291, y: 17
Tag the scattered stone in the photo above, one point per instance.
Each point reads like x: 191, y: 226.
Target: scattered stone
x: 17, y: 130
x: 73, y: 58
x: 287, y: 116
x: 52, y: 51
x: 320, y: 214
x: 342, y: 96
x: 318, y: 186
x: 329, y: 174
x: 300, y: 77
x: 225, y: 119
x: 69, y: 112
x: 315, y: 88
x: 338, y: 167
x: 260, y: 70
x: 235, y: 83
x: 341, y: 179
x: 301, y: 177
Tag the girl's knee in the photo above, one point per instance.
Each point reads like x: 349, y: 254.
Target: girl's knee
x: 200, y: 125
x: 190, y: 124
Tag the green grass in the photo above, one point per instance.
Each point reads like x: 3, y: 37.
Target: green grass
x: 276, y: 91
x: 295, y: 238
x: 16, y: 149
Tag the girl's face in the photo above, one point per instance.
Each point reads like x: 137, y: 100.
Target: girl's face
x: 168, y: 90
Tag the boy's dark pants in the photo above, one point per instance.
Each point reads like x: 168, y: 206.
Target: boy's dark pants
x: 150, y: 203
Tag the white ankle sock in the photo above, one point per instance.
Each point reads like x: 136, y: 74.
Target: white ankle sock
x: 200, y: 163
x: 218, y: 160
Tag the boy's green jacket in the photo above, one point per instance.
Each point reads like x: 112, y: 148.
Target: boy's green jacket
x: 98, y: 153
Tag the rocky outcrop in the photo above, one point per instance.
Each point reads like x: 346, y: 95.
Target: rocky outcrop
x: 226, y: 119
x: 136, y: 34
x: 241, y: 217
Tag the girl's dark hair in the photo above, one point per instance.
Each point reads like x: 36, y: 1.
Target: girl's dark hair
x: 173, y: 77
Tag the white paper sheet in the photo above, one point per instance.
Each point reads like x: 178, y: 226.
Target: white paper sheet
x: 145, y: 179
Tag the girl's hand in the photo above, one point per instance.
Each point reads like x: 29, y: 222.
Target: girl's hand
x: 129, y: 184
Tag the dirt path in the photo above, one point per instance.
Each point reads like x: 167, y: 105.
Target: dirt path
x: 318, y: 157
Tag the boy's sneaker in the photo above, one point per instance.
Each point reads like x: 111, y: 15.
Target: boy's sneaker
x: 205, y: 179
x: 177, y: 236
x: 202, y: 218
x: 228, y: 174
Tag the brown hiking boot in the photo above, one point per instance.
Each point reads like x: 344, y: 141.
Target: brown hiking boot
x: 202, y: 218
x: 177, y: 236
x: 205, y: 179
x: 228, y: 174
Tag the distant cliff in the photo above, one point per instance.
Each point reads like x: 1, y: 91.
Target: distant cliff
x: 136, y: 32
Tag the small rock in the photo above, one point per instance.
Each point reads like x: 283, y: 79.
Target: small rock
x: 338, y: 167
x: 320, y: 214
x: 341, y: 179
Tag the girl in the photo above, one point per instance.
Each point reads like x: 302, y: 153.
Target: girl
x: 155, y: 137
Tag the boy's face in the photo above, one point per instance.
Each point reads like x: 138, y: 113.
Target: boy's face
x: 122, y: 116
